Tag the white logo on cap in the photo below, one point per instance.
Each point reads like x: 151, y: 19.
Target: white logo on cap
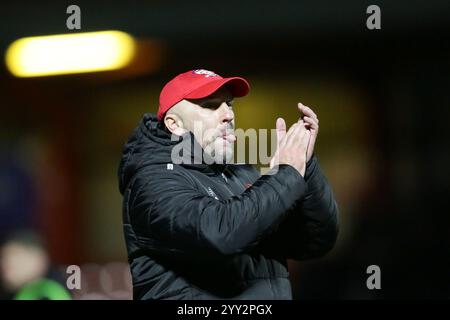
x: 206, y: 73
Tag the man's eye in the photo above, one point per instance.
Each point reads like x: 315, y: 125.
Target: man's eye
x: 212, y: 106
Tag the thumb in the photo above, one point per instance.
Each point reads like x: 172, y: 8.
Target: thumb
x: 281, y: 129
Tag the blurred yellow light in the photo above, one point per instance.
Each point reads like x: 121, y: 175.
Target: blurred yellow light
x: 70, y: 53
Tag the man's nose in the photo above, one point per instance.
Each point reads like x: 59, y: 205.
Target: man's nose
x: 226, y: 113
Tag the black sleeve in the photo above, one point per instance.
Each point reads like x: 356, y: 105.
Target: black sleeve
x: 169, y: 214
x: 311, y: 228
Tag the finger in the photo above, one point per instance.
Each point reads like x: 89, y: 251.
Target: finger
x: 281, y: 129
x: 313, y: 123
x: 310, y: 113
x: 297, y: 134
x: 303, y: 132
x: 304, y: 140
x: 307, y: 111
x: 307, y: 137
x: 289, y: 134
x: 292, y: 130
x: 312, y: 140
x: 309, y: 143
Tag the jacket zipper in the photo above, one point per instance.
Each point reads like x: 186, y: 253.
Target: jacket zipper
x: 226, y: 183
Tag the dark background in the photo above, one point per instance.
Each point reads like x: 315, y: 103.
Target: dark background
x: 382, y: 97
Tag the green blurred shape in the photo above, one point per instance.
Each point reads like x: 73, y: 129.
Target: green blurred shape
x: 43, y: 289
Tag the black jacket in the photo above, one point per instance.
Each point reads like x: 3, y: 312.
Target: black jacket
x: 198, y: 231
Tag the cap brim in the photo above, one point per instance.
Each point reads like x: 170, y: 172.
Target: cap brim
x: 238, y: 86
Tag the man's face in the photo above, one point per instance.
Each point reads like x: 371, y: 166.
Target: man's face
x: 211, y: 120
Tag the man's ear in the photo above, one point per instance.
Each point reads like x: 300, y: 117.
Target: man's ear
x: 174, y: 124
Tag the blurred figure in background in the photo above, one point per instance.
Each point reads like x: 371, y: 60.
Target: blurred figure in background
x: 25, y: 270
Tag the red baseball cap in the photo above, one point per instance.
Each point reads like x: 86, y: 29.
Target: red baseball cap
x: 196, y: 84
